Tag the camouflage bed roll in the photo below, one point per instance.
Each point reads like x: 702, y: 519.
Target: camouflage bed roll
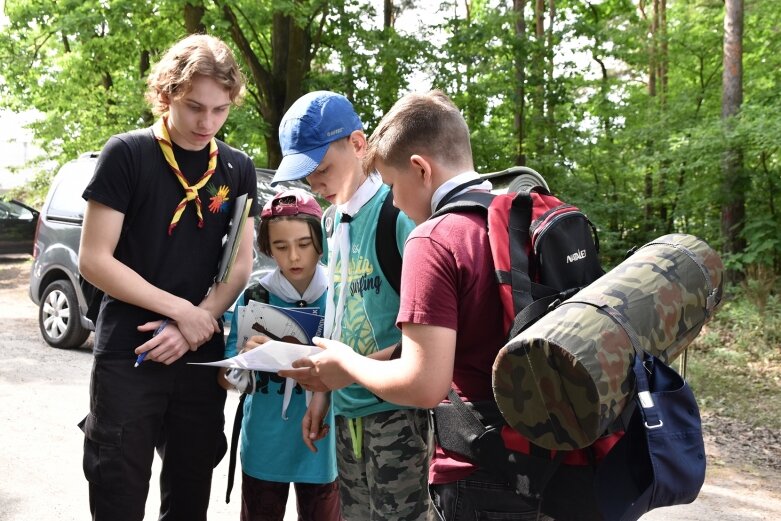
x: 563, y: 381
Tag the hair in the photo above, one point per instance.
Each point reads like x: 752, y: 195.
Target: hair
x: 315, y: 230
x: 197, y: 54
x: 420, y: 123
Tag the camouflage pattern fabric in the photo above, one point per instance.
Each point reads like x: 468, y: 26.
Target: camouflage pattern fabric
x: 388, y: 478
x: 565, y: 380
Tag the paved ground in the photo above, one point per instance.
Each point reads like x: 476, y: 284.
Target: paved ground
x: 43, y: 395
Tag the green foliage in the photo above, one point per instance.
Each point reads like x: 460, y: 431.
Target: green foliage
x: 77, y: 63
x: 735, y: 364
x: 640, y: 165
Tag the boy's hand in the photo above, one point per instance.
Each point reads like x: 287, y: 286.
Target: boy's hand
x: 324, y: 370
x: 197, y: 326
x: 253, y: 342
x: 312, y: 426
x: 302, y: 373
x: 167, y: 347
x: 225, y: 384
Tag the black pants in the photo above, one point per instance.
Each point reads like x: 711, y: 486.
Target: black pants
x: 176, y: 409
x: 482, y: 496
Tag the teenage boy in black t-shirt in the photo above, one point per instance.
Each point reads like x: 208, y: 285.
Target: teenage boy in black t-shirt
x: 158, y: 207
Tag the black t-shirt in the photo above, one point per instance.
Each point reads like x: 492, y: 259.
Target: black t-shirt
x: 132, y: 177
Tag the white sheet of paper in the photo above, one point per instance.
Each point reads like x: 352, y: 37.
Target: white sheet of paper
x: 271, y: 356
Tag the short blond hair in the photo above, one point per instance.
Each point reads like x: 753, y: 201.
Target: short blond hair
x: 197, y: 54
x: 420, y: 123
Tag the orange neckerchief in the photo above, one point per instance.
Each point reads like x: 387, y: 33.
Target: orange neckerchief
x: 160, y: 129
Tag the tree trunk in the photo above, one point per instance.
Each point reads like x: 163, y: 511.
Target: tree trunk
x: 388, y: 14
x: 648, y: 181
x: 348, y: 58
x: 662, y: 59
x: 389, y: 72
x: 193, y: 18
x: 278, y: 84
x: 734, y: 182
x: 539, y: 68
x: 550, y: 116
x: 520, y: 80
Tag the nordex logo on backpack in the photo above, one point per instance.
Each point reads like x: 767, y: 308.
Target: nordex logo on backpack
x: 578, y: 255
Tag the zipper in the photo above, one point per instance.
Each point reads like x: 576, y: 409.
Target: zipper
x: 544, y: 226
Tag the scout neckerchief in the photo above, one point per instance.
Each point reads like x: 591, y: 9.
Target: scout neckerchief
x: 341, y: 250
x: 276, y: 284
x: 160, y: 129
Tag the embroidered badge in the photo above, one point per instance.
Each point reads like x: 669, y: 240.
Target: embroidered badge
x: 218, y: 202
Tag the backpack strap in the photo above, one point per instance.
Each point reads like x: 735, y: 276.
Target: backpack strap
x: 259, y: 293
x: 256, y: 292
x: 520, y: 219
x: 388, y: 257
x: 448, y: 196
x: 237, y: 419
x: 517, y: 231
x: 468, y: 202
x: 227, y: 158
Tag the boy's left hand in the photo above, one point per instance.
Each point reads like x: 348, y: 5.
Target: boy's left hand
x: 253, y: 342
x: 325, y: 370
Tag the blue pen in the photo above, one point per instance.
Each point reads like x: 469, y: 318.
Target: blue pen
x: 157, y: 332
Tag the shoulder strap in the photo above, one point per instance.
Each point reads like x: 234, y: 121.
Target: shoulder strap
x: 508, y: 220
x: 227, y: 159
x: 455, y: 190
x: 260, y: 294
x: 385, y: 246
x: 519, y: 221
x: 470, y: 201
x: 257, y: 293
x: 237, y: 419
x: 388, y: 257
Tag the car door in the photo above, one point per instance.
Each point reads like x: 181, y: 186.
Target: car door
x: 17, y: 227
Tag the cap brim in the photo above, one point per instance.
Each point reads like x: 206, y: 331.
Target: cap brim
x: 297, y: 166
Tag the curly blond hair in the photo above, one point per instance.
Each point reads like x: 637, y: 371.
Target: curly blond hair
x: 197, y: 54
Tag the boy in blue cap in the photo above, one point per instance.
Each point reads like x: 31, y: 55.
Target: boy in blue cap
x: 383, y: 449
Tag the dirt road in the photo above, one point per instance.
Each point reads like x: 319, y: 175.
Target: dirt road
x: 44, y: 394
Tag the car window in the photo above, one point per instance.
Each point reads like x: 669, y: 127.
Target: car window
x: 66, y: 201
x: 11, y: 210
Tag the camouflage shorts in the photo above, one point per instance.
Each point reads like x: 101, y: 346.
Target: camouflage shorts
x: 383, y: 464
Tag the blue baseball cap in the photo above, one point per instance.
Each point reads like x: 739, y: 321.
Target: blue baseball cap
x: 309, y: 126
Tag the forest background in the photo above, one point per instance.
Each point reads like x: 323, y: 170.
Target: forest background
x: 654, y: 116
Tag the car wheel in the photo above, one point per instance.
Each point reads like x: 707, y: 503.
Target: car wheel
x: 58, y: 316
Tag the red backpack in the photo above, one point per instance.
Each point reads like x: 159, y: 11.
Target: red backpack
x: 544, y: 251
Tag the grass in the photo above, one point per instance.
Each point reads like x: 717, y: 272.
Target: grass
x: 734, y: 365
